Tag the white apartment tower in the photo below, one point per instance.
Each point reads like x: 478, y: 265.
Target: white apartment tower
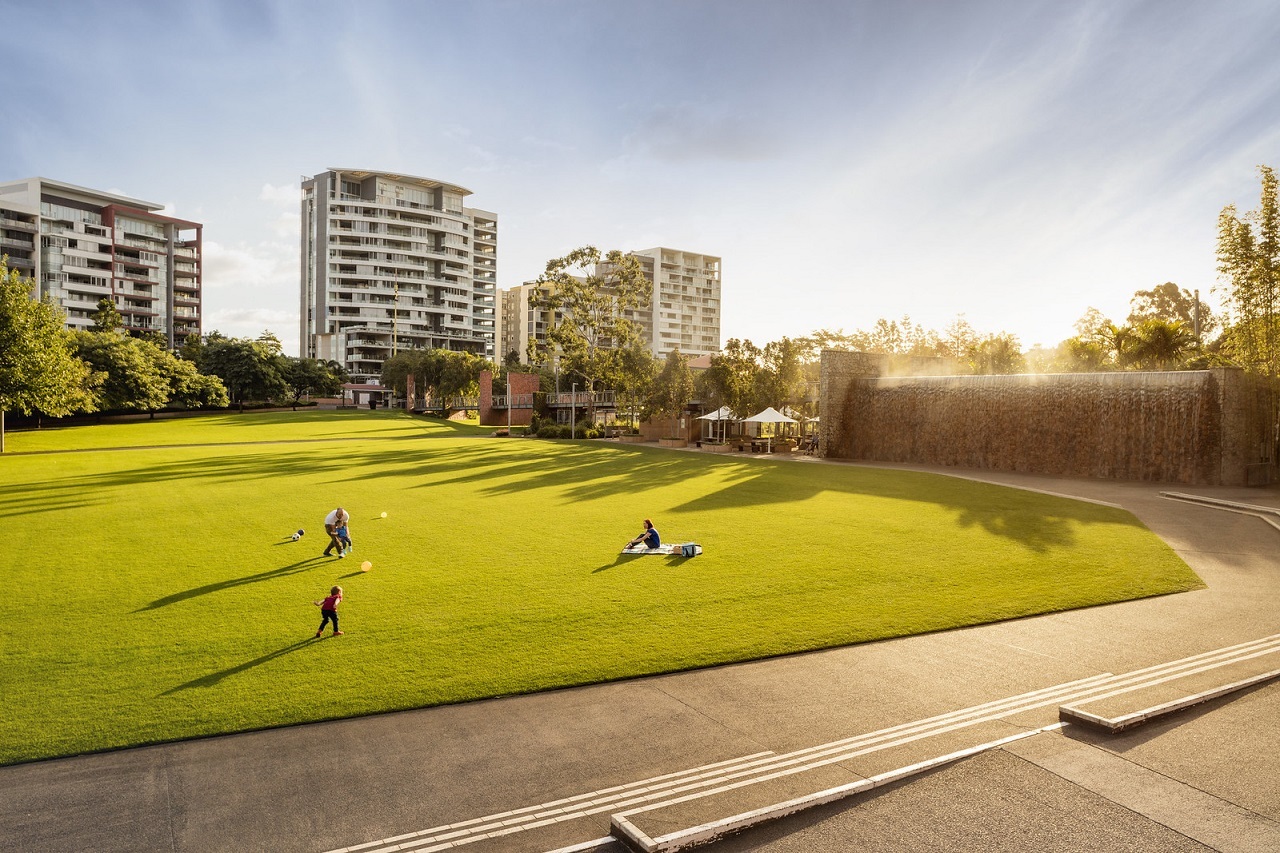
x: 392, y: 263
x: 95, y: 245
x: 684, y: 312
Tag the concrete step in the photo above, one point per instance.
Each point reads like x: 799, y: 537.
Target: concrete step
x: 696, y: 805
x: 785, y: 784
x: 712, y: 814
x: 1119, y: 711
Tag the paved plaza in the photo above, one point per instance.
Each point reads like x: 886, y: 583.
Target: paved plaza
x: 1203, y: 779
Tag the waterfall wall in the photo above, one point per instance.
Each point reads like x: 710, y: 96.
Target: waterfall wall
x: 1205, y: 427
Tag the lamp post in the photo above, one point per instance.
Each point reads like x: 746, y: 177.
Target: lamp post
x: 395, y: 309
x: 1197, y: 319
x: 573, y: 412
x: 508, y: 402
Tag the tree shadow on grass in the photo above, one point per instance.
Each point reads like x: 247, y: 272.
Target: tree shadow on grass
x: 598, y: 471
x: 214, y: 677
x: 293, y: 568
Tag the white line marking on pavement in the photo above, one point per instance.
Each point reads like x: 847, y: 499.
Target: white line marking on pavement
x: 681, y: 786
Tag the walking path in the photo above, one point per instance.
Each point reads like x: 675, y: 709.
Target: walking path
x: 567, y: 760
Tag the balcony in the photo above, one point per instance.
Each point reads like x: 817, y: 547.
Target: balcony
x: 19, y: 224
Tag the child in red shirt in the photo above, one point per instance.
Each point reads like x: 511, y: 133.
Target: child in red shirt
x: 329, y: 610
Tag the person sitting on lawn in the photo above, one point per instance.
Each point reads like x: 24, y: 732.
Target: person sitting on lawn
x: 649, y: 537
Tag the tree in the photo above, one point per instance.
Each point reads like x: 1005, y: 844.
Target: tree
x: 1161, y: 344
x: 250, y: 369
x: 139, y: 374
x: 1172, y: 304
x: 996, y: 354
x: 396, y: 370
x: 781, y: 381
x: 1082, y: 355
x: 590, y: 307
x: 814, y: 343
x: 437, y: 373
x: 631, y: 371
x: 107, y: 318
x: 731, y: 378
x: 131, y: 377
x: 959, y: 340
x: 38, y: 367
x: 1249, y: 267
x: 188, y: 387
x: 313, y: 376
x: 899, y: 338
x: 460, y: 373
x: 672, y: 389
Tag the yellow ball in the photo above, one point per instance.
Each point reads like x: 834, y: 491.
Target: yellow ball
x: 384, y: 515
x: 366, y: 566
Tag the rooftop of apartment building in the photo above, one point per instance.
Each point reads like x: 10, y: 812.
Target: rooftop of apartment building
x: 22, y: 190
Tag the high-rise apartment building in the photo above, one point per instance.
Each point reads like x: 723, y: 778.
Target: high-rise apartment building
x: 95, y: 245
x: 518, y: 322
x: 683, y: 312
x: 392, y: 263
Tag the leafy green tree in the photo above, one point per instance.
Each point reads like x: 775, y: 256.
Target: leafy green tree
x: 1099, y: 345
x: 38, y: 367
x: 437, y: 373
x: 107, y: 318
x: 131, y: 376
x: 899, y: 338
x: 731, y: 378
x: 590, y: 296
x: 959, y: 340
x: 396, y: 369
x: 1249, y: 267
x: 188, y: 387
x: 996, y: 354
x: 672, y: 389
x: 460, y: 373
x: 1082, y: 355
x: 631, y: 372
x: 1172, y: 304
x: 815, y: 342
x: 313, y: 376
x: 250, y: 369
x: 781, y: 380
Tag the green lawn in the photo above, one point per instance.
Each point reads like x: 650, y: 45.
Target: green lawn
x: 153, y: 593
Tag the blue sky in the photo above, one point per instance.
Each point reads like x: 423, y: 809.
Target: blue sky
x: 1014, y: 162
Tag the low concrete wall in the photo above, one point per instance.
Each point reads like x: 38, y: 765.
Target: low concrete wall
x: 1206, y: 427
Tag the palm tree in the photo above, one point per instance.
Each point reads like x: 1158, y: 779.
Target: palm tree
x: 1161, y: 344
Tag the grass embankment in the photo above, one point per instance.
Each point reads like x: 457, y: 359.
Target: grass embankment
x: 154, y: 594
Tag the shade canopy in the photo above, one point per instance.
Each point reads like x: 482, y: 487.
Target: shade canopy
x: 724, y: 413
x: 770, y: 416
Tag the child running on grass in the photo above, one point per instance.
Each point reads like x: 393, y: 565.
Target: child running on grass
x: 329, y: 610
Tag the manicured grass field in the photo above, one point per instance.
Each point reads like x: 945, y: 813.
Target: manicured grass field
x: 153, y: 593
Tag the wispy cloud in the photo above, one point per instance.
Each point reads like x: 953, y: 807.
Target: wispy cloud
x: 1015, y: 162
x: 288, y: 195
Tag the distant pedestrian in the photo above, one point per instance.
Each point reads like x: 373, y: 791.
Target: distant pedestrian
x: 335, y: 519
x: 329, y: 610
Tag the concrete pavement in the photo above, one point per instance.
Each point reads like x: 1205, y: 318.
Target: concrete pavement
x: 327, y: 786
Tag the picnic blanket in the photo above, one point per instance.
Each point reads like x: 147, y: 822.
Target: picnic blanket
x: 686, y: 549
